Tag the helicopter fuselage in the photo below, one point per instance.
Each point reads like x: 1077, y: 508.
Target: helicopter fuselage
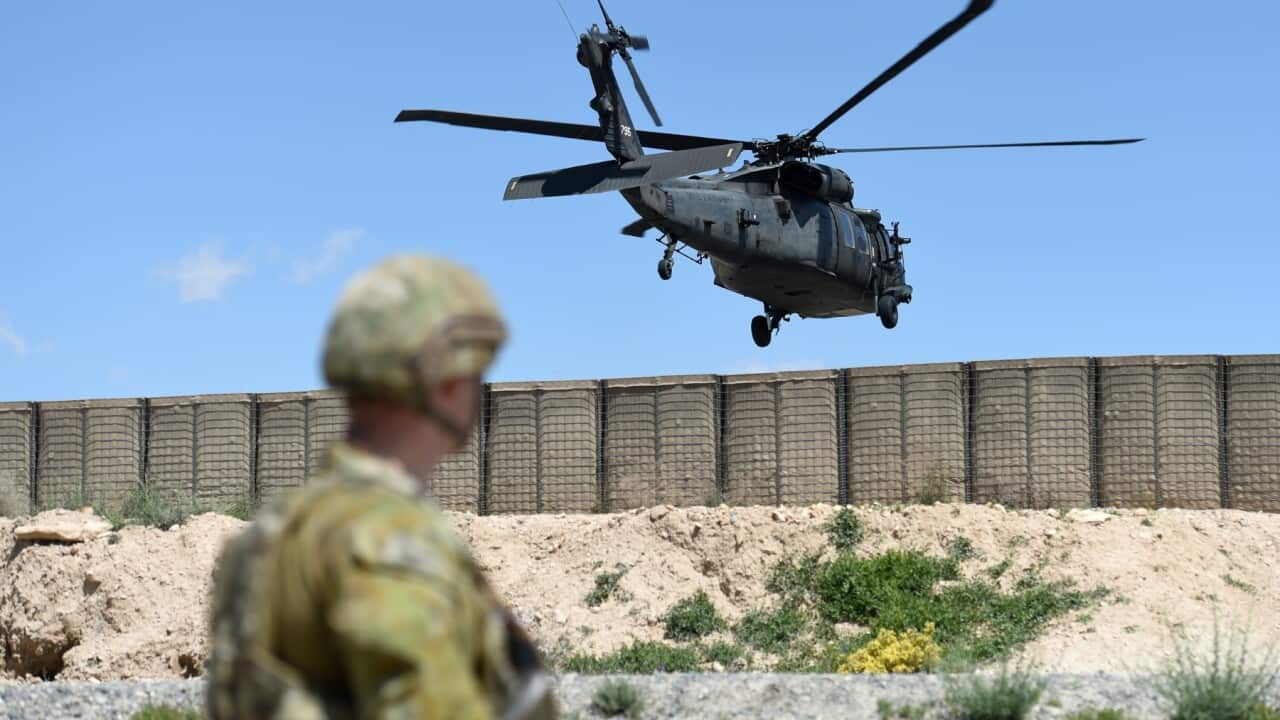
x: 798, y: 253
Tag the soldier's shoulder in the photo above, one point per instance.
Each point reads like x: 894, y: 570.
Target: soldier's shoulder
x: 381, y: 530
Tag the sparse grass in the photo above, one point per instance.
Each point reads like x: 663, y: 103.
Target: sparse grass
x: 1096, y: 714
x: 792, y: 580
x: 1227, y: 685
x: 1009, y: 695
x: 727, y: 654
x: 1146, y: 521
x: 638, y: 657
x: 692, y: 618
x: 165, y: 712
x: 995, y: 571
x: 1239, y: 584
x: 13, y: 496
x: 845, y: 530
x: 616, y: 697
x: 888, y: 711
x: 934, y: 489
x: 770, y: 630
x: 606, y: 584
x: 961, y: 549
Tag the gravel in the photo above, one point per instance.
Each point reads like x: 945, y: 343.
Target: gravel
x: 703, y: 695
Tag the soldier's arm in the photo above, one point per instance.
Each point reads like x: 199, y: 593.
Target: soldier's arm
x: 401, y: 628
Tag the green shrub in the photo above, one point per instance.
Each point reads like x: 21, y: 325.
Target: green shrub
x: 692, y: 617
x: 1009, y: 695
x: 770, y: 630
x: 858, y: 590
x: 845, y: 530
x: 616, y: 697
x: 897, y: 591
x: 638, y: 657
x: 1227, y: 685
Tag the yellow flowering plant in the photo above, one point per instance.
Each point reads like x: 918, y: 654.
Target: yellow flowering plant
x: 893, y: 652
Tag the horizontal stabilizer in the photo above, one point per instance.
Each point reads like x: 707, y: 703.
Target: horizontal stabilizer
x: 609, y: 175
x: 637, y: 228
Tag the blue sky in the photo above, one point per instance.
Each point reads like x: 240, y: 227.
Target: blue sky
x: 184, y: 188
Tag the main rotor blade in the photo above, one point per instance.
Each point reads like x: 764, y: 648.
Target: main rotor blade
x: 644, y: 94
x: 1056, y: 143
x: 974, y: 9
x: 573, y: 131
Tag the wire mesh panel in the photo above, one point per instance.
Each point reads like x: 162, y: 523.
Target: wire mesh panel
x: 687, y: 417
x: 113, y: 449
x: 282, y: 443
x: 60, y: 465
x: 16, y: 455
x: 1000, y: 449
x: 906, y: 433
x: 1187, y: 431
x: 875, y: 402
x: 1253, y: 432
x: 780, y: 438
x: 659, y: 441
x: 455, y: 482
x: 171, y: 438
x: 631, y: 443
x: 568, y: 447
x: 327, y: 420
x: 1031, y: 421
x: 512, y: 450
x: 933, y: 416
x: 752, y: 473
x: 808, y: 449
x: 1060, y: 460
x: 224, y: 426
x: 1126, y: 433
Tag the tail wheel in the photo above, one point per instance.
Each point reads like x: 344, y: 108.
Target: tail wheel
x: 887, y: 310
x: 760, y: 330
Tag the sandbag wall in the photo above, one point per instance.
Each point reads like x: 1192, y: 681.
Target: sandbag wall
x: 1145, y: 431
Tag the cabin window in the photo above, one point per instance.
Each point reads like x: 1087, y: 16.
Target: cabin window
x: 860, y: 236
x: 846, y: 229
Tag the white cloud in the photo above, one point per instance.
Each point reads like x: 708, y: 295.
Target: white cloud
x: 338, y: 243
x: 204, y: 274
x: 10, y: 337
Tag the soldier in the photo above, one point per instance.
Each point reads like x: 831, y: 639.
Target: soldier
x: 353, y: 596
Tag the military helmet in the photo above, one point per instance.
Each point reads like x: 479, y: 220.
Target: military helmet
x: 407, y: 324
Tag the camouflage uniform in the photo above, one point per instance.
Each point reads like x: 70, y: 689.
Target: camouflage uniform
x: 353, y: 596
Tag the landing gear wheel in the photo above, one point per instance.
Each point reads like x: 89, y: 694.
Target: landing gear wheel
x: 760, y: 330
x: 665, y: 266
x: 887, y: 310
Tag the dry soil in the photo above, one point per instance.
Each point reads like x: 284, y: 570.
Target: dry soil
x: 132, y: 604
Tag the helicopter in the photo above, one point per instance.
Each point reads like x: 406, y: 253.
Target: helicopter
x: 781, y: 229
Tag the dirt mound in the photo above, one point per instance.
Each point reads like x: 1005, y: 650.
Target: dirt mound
x: 130, y: 604
x: 133, y: 604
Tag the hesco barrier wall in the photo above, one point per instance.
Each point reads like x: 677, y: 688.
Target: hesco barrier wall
x: 1150, y: 431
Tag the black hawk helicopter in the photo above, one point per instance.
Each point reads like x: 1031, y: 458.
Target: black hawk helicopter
x: 781, y: 229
